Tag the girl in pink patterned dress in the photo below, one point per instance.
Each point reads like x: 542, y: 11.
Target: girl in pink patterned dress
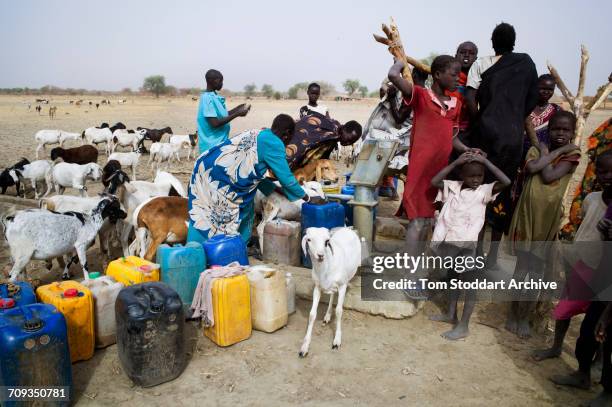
x: 459, y: 223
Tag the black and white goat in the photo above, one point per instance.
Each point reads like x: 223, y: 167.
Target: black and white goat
x: 37, y: 234
x: 8, y: 180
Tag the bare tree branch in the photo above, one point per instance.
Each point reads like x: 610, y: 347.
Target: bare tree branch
x: 584, y: 60
x: 564, y: 90
x: 598, y: 99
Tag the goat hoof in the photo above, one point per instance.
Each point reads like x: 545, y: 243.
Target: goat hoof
x: 335, y: 346
x: 65, y: 277
x: 303, y: 354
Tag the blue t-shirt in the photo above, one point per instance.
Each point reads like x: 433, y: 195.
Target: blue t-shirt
x: 211, y: 105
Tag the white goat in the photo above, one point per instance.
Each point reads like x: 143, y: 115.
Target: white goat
x: 65, y: 136
x: 63, y: 175
x: 85, y: 205
x: 127, y: 160
x: 35, y: 171
x: 42, y: 235
x: 278, y: 206
x: 132, y: 194
x: 164, y: 152
x: 335, y: 257
x: 123, y: 138
x: 46, y: 137
x: 187, y: 142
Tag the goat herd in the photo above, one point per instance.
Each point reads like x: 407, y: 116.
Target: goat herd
x: 67, y: 225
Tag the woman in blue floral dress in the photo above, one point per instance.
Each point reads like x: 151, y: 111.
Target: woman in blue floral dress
x: 226, y: 177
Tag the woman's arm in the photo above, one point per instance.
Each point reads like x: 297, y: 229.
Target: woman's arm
x: 400, y: 113
x: 273, y: 155
x: 395, y: 76
x: 240, y: 110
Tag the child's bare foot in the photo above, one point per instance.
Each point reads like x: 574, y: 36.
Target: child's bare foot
x: 541, y: 354
x: 458, y: 332
x: 576, y: 379
x: 443, y: 318
x: 523, y: 330
x: 602, y: 400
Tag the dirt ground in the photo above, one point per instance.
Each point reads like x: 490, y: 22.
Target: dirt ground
x: 381, y: 361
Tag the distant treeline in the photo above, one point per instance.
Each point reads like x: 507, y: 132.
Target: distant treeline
x: 56, y: 90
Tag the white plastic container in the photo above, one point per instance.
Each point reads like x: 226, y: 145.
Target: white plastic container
x: 268, y: 299
x: 290, y: 293
x: 104, y: 291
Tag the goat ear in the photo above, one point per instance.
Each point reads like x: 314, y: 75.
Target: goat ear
x: 304, y: 245
x: 331, y: 249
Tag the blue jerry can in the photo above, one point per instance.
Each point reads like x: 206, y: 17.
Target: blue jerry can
x: 329, y: 215
x: 21, y: 292
x: 221, y: 250
x: 181, y: 267
x: 34, y: 349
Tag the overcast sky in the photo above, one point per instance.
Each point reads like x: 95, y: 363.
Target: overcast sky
x: 115, y: 44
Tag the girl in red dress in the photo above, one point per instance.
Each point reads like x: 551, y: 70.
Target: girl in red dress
x: 436, y: 121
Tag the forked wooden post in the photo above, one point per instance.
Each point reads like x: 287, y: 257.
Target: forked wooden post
x: 393, y: 40
x: 582, y: 113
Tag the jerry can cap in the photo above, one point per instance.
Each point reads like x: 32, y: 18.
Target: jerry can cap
x: 33, y: 324
x: 94, y: 275
x: 6, y: 303
x: 71, y: 293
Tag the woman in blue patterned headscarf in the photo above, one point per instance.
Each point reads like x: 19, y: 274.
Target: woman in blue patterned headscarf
x: 226, y: 177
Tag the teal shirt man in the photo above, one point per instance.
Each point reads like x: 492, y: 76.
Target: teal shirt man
x: 211, y: 105
x: 213, y: 117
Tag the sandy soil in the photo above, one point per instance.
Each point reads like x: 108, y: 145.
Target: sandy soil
x: 381, y: 362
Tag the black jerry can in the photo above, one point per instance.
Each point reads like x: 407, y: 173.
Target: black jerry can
x: 150, y: 333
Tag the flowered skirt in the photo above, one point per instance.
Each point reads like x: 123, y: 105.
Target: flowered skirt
x: 222, y: 188
x: 597, y: 143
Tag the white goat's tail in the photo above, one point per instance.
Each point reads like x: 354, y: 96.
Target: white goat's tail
x: 7, y: 217
x: 164, y: 176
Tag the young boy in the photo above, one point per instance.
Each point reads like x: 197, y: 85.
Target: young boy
x: 459, y: 223
x: 593, y: 210
x: 313, y: 92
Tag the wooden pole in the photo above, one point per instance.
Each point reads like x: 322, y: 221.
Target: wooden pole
x: 582, y: 113
x: 393, y: 40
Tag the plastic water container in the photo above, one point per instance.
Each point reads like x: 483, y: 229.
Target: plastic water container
x: 104, y: 291
x: 282, y: 242
x: 181, y: 267
x: 231, y: 310
x: 75, y: 301
x: 132, y: 270
x: 329, y: 215
x: 290, y: 293
x: 150, y: 333
x: 34, y: 349
x: 20, y: 292
x: 268, y: 298
x: 222, y: 250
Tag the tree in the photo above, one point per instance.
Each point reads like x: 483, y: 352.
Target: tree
x: 363, y: 90
x: 155, y: 84
x: 293, y: 91
x: 351, y: 86
x: 267, y: 90
x: 326, y: 88
x: 277, y: 95
x: 249, y: 90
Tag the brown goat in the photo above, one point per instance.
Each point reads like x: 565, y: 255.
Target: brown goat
x: 77, y: 155
x: 317, y: 170
x: 165, y: 218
